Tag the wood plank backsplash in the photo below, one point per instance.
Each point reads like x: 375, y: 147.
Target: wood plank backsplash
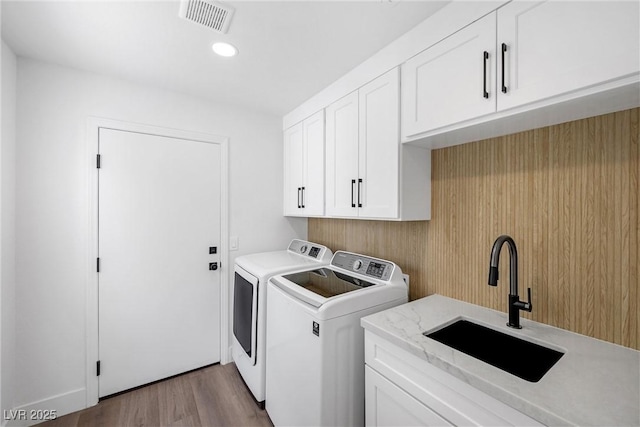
x: 567, y: 194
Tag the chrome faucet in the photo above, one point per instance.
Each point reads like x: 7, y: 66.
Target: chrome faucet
x: 515, y: 305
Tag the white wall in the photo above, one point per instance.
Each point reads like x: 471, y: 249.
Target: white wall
x: 7, y: 227
x: 52, y: 206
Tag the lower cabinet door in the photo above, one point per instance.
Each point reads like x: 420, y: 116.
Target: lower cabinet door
x: 388, y: 405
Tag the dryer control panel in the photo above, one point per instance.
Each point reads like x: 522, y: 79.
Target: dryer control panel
x: 364, y: 265
x: 309, y: 249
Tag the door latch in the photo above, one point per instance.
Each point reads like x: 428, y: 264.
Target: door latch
x: 213, y: 266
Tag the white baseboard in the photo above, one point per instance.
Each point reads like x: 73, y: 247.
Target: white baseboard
x: 228, y: 357
x: 35, y: 412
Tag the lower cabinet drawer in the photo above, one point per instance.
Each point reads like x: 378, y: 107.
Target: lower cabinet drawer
x: 445, y: 396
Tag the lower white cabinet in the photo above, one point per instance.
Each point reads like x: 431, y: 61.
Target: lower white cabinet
x: 404, y: 390
x: 389, y: 405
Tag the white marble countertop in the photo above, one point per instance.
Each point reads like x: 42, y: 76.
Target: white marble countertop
x: 595, y: 383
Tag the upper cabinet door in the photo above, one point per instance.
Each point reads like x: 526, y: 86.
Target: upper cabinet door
x: 293, y: 164
x: 555, y: 47
x: 342, y: 156
x: 379, y: 146
x: 451, y: 81
x: 313, y: 155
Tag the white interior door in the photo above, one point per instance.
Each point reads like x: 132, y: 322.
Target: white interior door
x: 159, y: 213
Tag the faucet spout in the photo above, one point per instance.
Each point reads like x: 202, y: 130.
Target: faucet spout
x: 513, y: 263
x: 515, y: 305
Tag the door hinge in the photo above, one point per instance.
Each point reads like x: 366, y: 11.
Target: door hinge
x: 98, y: 265
x: 98, y: 161
x: 98, y: 368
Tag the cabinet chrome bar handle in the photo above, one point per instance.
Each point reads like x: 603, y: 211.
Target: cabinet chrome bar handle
x: 302, y: 197
x: 485, y: 56
x: 353, y: 184
x: 299, y: 204
x: 504, y: 51
x: 359, y: 192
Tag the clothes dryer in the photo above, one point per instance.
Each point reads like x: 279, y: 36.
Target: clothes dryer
x: 252, y: 273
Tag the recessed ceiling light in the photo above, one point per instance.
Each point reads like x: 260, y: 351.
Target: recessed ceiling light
x: 224, y: 49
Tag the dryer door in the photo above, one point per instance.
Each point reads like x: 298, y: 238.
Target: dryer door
x: 245, y: 311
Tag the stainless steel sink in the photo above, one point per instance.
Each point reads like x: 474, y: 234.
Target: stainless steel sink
x: 521, y: 358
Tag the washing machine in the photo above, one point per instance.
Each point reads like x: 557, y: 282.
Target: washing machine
x: 252, y: 273
x: 315, y: 344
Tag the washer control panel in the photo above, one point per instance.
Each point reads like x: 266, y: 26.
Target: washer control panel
x: 367, y: 266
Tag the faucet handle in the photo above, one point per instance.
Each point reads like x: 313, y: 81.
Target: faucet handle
x: 521, y: 305
x: 527, y: 305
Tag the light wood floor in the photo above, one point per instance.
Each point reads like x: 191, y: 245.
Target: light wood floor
x: 212, y: 396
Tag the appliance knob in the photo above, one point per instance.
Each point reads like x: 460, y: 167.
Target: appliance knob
x: 303, y: 249
x: 357, y: 264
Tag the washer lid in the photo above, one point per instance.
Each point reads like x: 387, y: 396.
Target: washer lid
x: 326, y: 282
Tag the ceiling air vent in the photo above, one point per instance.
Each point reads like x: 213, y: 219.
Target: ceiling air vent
x: 211, y: 14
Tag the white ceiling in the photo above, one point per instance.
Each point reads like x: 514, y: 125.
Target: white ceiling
x: 289, y: 50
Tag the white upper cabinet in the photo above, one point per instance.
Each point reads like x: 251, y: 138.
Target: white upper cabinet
x: 293, y: 163
x: 555, y: 47
x: 379, y: 147
x: 452, y: 81
x: 313, y: 177
x: 474, y: 70
x: 304, y: 167
x: 369, y: 173
x: 362, y: 151
x: 342, y: 156
x: 526, y: 65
